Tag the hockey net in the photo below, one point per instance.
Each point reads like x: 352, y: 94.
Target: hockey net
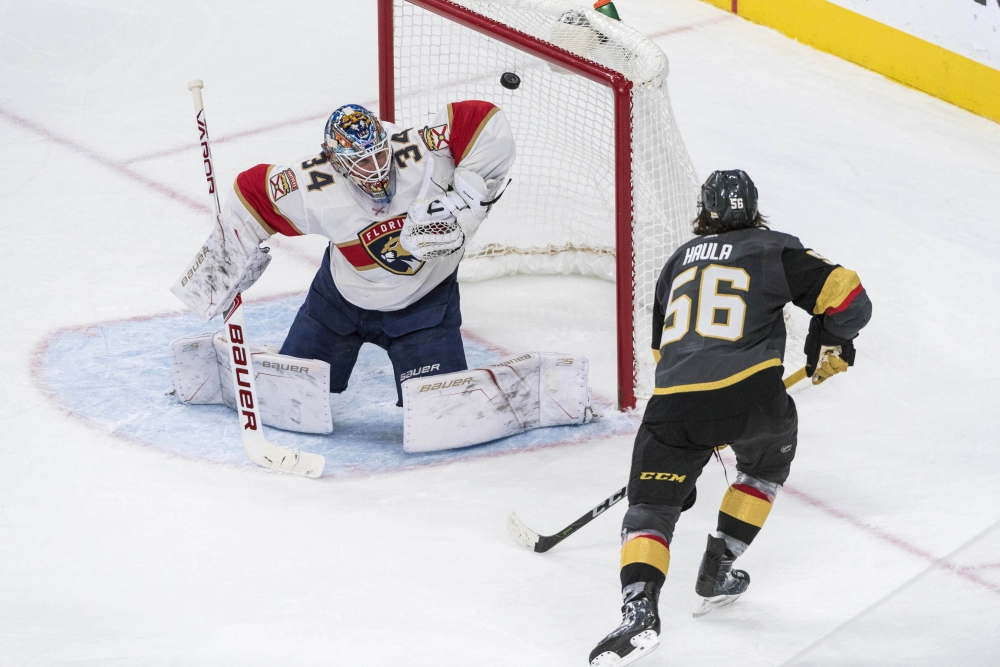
x: 602, y: 184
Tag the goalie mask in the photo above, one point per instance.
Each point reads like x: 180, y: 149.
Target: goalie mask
x: 358, y: 147
x: 729, y: 198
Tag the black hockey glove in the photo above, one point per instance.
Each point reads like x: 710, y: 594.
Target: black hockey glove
x: 826, y: 355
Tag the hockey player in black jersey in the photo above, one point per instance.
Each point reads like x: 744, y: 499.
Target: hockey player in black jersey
x: 719, y: 341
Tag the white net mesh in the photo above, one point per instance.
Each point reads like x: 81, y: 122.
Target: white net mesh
x: 558, y: 215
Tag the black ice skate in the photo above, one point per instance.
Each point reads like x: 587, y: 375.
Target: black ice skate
x: 718, y: 582
x: 638, y: 634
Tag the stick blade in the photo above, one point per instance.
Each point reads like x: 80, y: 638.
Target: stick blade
x: 282, y: 459
x: 301, y: 463
x: 523, y: 535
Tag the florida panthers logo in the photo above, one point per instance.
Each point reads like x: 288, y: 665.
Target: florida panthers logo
x: 381, y: 242
x: 357, y: 127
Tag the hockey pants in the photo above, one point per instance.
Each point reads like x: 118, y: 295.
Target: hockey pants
x: 422, y: 339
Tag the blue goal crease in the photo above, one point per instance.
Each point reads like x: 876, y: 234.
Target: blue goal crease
x: 116, y: 375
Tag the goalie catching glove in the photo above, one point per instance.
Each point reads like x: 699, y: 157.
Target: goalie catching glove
x: 441, y: 226
x: 229, y: 262
x: 826, y: 355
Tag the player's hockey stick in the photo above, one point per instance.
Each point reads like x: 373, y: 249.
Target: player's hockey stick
x: 795, y: 377
x: 529, y: 539
x: 255, y: 444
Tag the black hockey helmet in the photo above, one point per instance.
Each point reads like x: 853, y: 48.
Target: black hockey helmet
x: 730, y: 198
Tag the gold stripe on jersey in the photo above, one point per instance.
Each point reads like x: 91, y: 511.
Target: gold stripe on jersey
x: 475, y: 135
x: 356, y: 255
x: 718, y: 384
x: 256, y: 215
x: 249, y: 207
x: 838, y: 286
x: 275, y: 206
x: 656, y: 355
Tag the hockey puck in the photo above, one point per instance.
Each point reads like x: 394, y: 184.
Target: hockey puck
x: 510, y: 81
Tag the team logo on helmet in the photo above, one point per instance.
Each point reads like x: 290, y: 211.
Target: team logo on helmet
x: 381, y: 242
x: 355, y: 128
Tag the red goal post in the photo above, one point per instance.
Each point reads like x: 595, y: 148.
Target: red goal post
x: 394, y: 56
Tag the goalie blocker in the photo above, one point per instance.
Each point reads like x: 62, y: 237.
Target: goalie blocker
x: 479, y: 405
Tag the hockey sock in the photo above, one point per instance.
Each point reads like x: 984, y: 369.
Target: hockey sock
x: 645, y: 558
x: 744, y: 509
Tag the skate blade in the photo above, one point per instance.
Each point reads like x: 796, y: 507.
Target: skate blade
x: 644, y: 643
x: 711, y: 604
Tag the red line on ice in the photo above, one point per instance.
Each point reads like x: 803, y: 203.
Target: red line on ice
x: 124, y: 170
x: 690, y: 26
x: 118, y: 167
x: 237, y: 135
x: 964, y: 572
x: 121, y: 167
x: 369, y: 103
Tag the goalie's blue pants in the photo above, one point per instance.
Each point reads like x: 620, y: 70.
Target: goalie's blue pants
x: 422, y: 339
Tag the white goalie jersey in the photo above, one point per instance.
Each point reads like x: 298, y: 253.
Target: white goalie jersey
x: 370, y: 266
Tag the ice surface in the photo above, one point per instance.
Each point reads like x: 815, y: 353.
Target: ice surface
x: 882, y: 549
x: 113, y: 376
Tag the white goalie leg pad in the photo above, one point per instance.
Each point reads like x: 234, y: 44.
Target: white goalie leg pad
x: 482, y: 404
x: 294, y: 393
x: 195, y: 370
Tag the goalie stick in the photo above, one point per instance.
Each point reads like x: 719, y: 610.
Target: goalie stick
x: 529, y: 539
x: 256, y: 446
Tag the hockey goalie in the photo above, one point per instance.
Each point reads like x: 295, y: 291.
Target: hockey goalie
x: 399, y: 206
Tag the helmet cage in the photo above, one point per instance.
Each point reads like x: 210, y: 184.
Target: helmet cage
x: 363, y: 155
x: 370, y: 170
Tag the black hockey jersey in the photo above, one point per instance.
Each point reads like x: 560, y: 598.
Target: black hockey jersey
x: 718, y: 327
